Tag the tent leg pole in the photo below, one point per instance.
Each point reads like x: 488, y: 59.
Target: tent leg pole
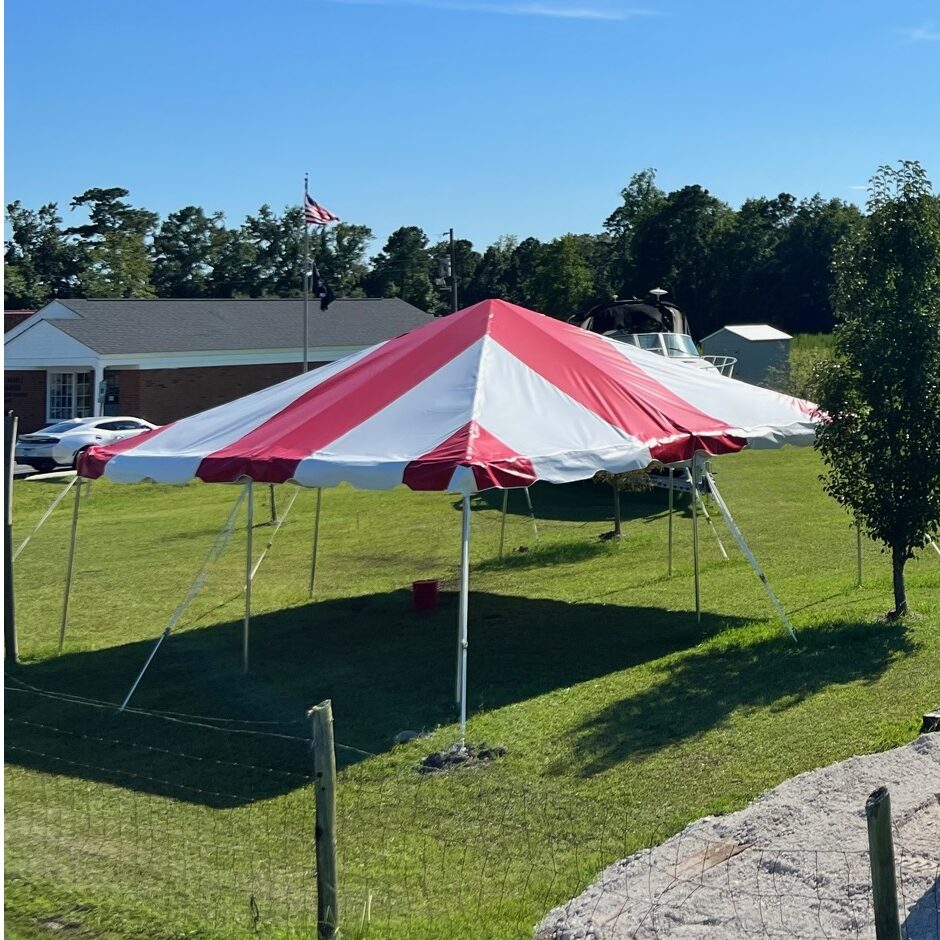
x: 528, y: 499
x: 502, y: 528
x: 695, y: 559
x: 248, y: 557
x: 858, y: 555
x: 933, y: 544
x: 273, y: 504
x: 70, y: 565
x: 464, y: 605
x: 739, y: 538
x: 316, y: 542
x: 669, y: 540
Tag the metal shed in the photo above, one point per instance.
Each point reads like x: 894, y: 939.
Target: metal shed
x: 759, y: 349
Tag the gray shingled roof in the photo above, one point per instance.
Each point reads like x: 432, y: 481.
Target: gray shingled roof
x: 120, y: 327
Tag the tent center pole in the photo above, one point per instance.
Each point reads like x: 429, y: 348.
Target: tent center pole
x: 248, y: 556
x: 464, y: 605
x: 70, y: 564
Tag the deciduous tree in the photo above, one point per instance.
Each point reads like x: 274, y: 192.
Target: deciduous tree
x: 882, y: 391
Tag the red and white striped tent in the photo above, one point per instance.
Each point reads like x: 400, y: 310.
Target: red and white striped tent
x: 492, y: 396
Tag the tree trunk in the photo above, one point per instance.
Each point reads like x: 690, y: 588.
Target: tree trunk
x: 898, y: 559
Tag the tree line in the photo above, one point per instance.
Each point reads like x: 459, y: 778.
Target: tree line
x: 768, y: 261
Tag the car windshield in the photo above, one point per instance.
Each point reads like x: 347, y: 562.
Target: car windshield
x: 679, y: 344
x: 62, y: 427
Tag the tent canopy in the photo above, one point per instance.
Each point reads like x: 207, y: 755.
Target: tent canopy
x: 494, y: 395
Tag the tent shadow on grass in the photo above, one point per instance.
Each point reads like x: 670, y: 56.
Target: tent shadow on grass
x: 582, y: 501
x: 696, y: 692
x: 385, y: 668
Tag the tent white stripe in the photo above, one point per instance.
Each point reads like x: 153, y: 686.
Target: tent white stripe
x: 174, y: 455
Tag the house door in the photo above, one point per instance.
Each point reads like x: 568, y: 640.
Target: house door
x: 112, y: 393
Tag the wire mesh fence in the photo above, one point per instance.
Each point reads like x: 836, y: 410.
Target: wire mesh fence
x: 168, y: 825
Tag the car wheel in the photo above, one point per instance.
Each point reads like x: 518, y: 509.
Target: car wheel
x: 78, y: 454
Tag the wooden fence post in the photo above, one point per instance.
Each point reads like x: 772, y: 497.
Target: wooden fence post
x: 324, y: 769
x: 881, y: 849
x: 10, y: 645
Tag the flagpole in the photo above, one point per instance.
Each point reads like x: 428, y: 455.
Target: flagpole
x: 306, y: 273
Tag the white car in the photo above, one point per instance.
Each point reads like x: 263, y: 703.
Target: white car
x: 60, y: 444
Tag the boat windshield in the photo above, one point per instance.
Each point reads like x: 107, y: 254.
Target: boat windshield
x: 679, y: 344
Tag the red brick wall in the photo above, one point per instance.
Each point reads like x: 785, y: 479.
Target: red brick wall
x: 24, y: 393
x: 164, y: 395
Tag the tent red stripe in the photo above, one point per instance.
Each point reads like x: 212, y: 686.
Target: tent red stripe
x: 493, y: 463
x: 606, y: 383
x: 92, y: 462
x: 270, y: 453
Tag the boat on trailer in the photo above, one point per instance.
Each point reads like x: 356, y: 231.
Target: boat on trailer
x: 651, y: 324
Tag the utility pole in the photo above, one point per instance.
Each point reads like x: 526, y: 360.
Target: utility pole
x: 453, y: 272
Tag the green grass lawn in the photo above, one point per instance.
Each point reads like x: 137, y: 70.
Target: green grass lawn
x: 623, y: 717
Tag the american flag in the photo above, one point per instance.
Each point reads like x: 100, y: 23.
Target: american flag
x: 315, y: 214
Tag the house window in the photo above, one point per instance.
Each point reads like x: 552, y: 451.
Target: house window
x: 70, y: 395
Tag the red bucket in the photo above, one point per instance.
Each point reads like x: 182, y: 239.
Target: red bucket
x: 424, y: 594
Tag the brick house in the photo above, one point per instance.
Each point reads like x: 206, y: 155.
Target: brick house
x: 164, y: 359
x: 12, y: 318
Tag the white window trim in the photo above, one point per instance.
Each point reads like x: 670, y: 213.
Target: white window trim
x: 74, y: 373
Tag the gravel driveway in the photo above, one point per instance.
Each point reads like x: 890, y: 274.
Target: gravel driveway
x: 793, y: 864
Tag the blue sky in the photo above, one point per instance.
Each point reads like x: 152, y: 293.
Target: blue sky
x: 523, y: 117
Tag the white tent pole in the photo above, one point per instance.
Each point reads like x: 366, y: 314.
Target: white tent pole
x: 316, y: 542
x: 70, y: 564
x: 671, y: 501
x: 694, y: 491
x: 528, y: 499
x: 502, y: 528
x: 739, y: 538
x: 248, y: 555
x: 933, y: 543
x: 464, y: 605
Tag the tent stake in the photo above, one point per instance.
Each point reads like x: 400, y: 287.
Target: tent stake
x: 248, y: 555
x: 70, y: 564
x: 698, y: 593
x: 502, y: 528
x: 739, y: 538
x: 669, y: 543
x: 464, y: 604
x: 316, y: 542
